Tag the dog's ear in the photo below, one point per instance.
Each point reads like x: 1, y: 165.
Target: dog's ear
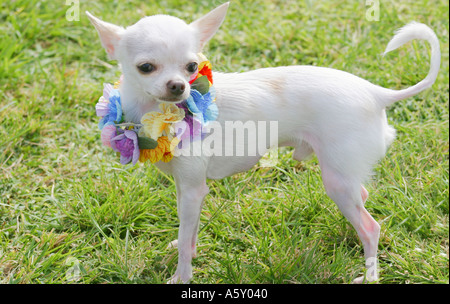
x: 109, y: 34
x: 208, y: 25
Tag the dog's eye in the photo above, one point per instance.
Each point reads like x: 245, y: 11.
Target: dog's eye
x: 192, y: 67
x: 146, y: 68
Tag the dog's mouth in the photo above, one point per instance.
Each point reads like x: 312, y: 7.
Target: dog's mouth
x: 170, y: 99
x: 165, y: 98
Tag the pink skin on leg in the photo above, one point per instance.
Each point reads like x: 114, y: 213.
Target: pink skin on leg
x: 349, y: 199
x: 364, y: 194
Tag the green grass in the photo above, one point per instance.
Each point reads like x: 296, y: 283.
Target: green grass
x: 64, y: 198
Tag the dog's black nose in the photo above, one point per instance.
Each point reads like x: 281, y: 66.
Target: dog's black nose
x: 176, y: 87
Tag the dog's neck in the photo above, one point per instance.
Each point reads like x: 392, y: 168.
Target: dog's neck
x: 134, y: 104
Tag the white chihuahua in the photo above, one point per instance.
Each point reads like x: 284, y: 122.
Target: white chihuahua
x: 336, y: 115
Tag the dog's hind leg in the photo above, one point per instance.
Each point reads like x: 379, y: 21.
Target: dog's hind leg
x: 349, y: 196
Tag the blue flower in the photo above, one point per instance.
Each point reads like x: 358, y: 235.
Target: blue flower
x: 109, y: 111
x: 202, y: 106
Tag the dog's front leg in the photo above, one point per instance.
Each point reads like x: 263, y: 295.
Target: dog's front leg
x: 190, y: 198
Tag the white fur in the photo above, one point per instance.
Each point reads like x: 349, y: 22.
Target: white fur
x: 338, y: 116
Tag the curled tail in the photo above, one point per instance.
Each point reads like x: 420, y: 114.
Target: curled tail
x: 411, y: 31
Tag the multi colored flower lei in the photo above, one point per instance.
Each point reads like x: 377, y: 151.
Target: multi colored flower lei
x: 155, y: 138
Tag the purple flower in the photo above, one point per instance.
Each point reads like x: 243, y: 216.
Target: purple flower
x: 102, y: 107
x: 107, y: 88
x: 127, y: 145
x: 109, y: 131
x: 188, y: 130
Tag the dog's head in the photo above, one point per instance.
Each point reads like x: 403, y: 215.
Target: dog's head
x: 158, y: 54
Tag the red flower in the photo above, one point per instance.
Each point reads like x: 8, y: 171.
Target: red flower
x: 205, y: 70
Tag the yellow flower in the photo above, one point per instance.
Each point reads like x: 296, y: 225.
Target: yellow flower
x: 156, y: 123
x: 161, y: 152
x: 118, y: 82
x: 203, y: 61
x: 167, y: 157
x: 204, y: 68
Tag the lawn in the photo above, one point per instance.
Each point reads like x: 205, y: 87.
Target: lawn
x: 69, y: 212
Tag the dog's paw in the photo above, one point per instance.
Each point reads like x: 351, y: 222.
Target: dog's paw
x: 174, y: 280
x: 183, y: 274
x: 364, y: 280
x: 178, y: 279
x: 173, y: 245
x: 359, y: 280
